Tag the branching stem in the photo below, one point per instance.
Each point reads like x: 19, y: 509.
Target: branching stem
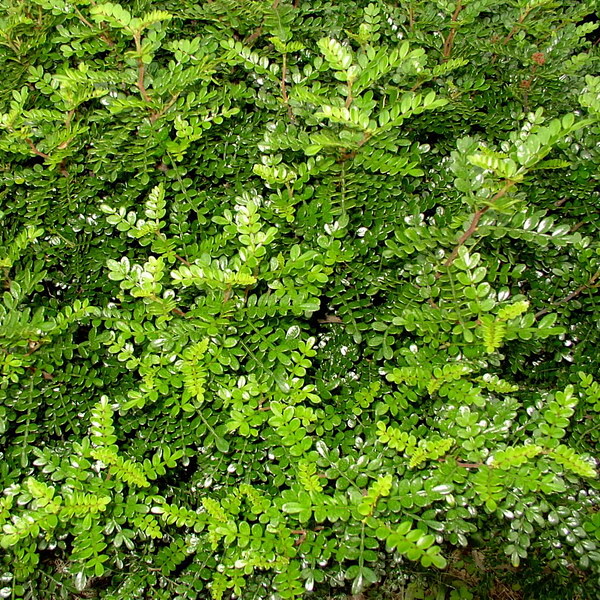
x: 284, y: 93
x: 573, y: 294
x: 157, y: 115
x: 35, y: 150
x: 141, y: 69
x: 517, y: 25
x: 103, y: 35
x: 349, y: 98
x: 474, y: 224
x: 449, y: 41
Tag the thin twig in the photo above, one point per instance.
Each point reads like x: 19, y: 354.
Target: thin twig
x: 284, y: 93
x: 517, y: 26
x: 365, y: 138
x: 35, y: 150
x: 570, y: 296
x: 283, y: 76
x: 349, y: 98
x: 449, y: 41
x: 258, y: 31
x: 103, y: 35
x: 464, y: 465
x: 330, y: 319
x: 140, y: 81
x: 34, y: 347
x: 141, y: 69
x: 577, y: 226
x: 69, y: 118
x: 157, y: 115
x: 347, y: 156
x: 417, y: 85
x: 474, y: 223
x: 253, y: 36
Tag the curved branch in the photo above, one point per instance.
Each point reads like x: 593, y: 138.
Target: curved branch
x: 570, y: 296
x: 474, y: 223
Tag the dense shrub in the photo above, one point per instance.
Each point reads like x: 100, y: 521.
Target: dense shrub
x: 299, y: 298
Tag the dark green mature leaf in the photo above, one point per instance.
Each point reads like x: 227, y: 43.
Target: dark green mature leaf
x: 300, y: 299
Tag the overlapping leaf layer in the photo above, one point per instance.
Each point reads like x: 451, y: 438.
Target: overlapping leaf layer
x: 300, y: 299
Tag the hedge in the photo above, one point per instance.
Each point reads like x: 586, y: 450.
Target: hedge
x: 300, y: 299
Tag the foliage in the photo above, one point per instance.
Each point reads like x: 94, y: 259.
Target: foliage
x: 300, y: 299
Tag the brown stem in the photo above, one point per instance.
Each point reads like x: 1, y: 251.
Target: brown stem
x: 253, y: 36
x: 179, y: 312
x: 348, y: 155
x: 417, y: 85
x: 517, y: 26
x: 449, y: 41
x: 82, y: 18
x: 330, y: 319
x: 349, y: 98
x: 258, y: 31
x: 411, y: 17
x: 69, y: 117
x: 157, y: 115
x: 141, y: 69
x: 180, y: 258
x: 577, y: 226
x: 474, y: 223
x: 33, y: 347
x: 35, y: 150
x: 284, y: 93
x: 65, y: 144
x: 570, y: 296
x: 103, y: 36
x: 300, y: 532
x: 464, y: 465
x: 140, y: 81
x: 365, y: 138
